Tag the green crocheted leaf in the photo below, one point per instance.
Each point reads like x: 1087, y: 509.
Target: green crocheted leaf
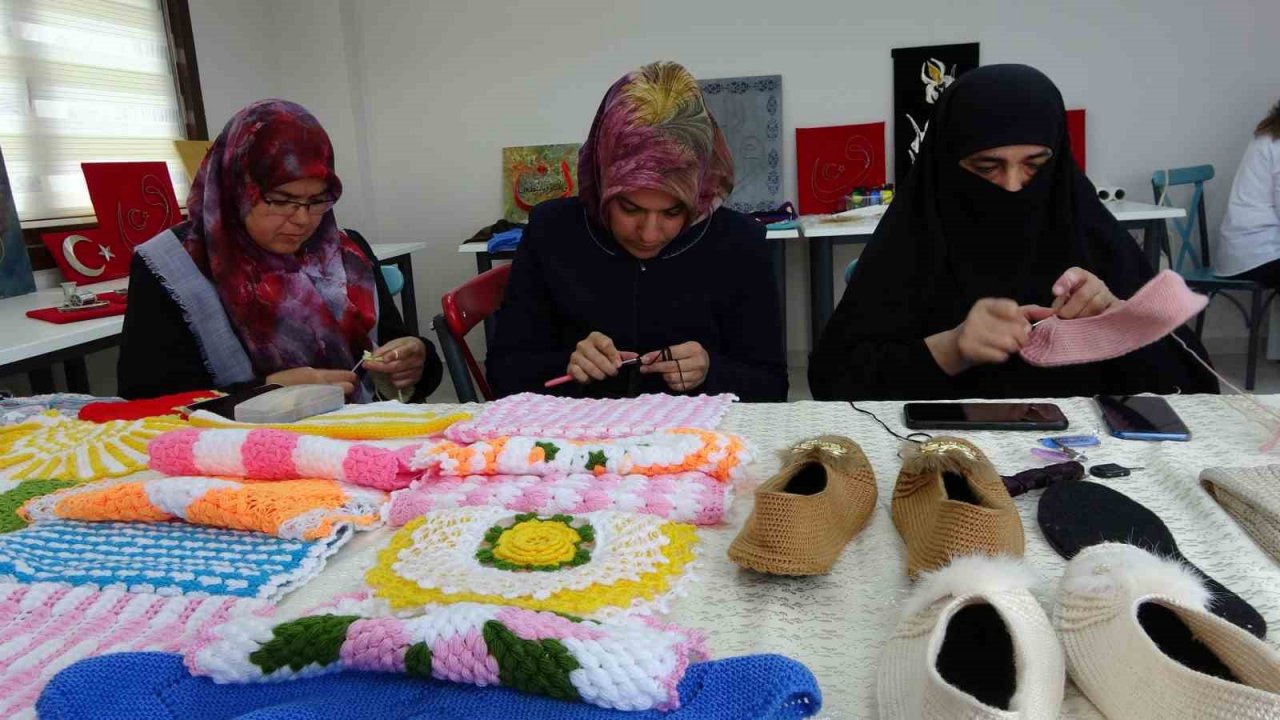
x: 299, y: 643
x: 548, y: 449
x: 541, y: 667
x: 596, y: 458
x: 417, y: 660
x: 13, y: 499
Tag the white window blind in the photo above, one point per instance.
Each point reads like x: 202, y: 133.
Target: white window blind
x: 83, y: 81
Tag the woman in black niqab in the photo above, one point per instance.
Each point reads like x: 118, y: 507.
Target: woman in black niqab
x: 960, y: 266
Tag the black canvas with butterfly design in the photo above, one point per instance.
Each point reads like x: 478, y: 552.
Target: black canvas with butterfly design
x: 920, y: 74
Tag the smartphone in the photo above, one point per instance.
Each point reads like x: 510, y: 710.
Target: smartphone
x: 983, y: 416
x: 226, y: 405
x: 1142, y: 417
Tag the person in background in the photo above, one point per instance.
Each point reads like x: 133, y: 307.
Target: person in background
x: 1249, y: 242
x: 259, y: 285
x: 994, y: 229
x: 645, y: 262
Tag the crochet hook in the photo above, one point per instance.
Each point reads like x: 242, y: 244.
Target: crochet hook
x: 554, y: 382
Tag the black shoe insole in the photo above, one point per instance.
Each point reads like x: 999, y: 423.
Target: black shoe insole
x: 808, y: 480
x: 1176, y: 640
x: 977, y: 656
x: 1081, y: 514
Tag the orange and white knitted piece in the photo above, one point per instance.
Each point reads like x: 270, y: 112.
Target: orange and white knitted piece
x: 669, y: 452
x: 53, y: 447
x: 289, y: 509
x: 375, y: 421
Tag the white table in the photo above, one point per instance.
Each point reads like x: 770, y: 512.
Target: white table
x: 32, y: 346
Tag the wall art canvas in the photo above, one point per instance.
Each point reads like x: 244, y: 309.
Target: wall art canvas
x: 192, y: 153
x: 749, y: 111
x: 1076, y: 132
x: 133, y: 201
x: 534, y: 173
x: 832, y: 161
x: 16, y: 277
x: 88, y: 256
x: 920, y: 74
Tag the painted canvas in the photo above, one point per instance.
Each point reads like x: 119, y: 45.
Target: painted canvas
x: 749, y: 111
x: 832, y: 161
x: 192, y: 153
x: 534, y: 173
x: 88, y: 256
x: 920, y: 74
x: 133, y: 200
x: 16, y: 277
x: 1076, y: 133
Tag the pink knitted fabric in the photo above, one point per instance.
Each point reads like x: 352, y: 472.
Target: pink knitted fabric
x: 571, y: 419
x: 1156, y: 310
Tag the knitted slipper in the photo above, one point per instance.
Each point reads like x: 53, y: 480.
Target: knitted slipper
x: 1156, y: 310
x: 1077, y: 515
x: 1251, y: 495
x: 1141, y: 644
x: 948, y: 502
x: 805, y: 515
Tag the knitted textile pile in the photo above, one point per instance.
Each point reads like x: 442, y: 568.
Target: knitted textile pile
x: 280, y: 455
x: 11, y: 501
x: 625, y: 665
x: 289, y: 509
x: 47, y: 627
x: 16, y: 410
x: 687, y: 497
x: 530, y: 414
x: 375, y: 421
x: 139, y: 409
x: 51, y: 447
x: 595, y: 564
x: 164, y: 558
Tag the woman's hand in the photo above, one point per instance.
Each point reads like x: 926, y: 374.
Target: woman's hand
x: 401, y: 359
x: 344, y: 379
x: 993, y: 330
x: 1081, y: 294
x: 686, y: 370
x: 595, y: 358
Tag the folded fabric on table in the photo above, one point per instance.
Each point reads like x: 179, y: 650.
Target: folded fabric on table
x: 156, y: 686
x: 164, y: 558
x: 1251, y: 495
x: 52, y: 447
x: 289, y: 509
x: 116, y: 304
x: 12, y: 500
x: 47, y: 627
x: 624, y: 665
x: 281, y: 455
x: 138, y: 409
x: 15, y: 410
x: 692, y: 497
x: 531, y: 414
x: 389, y: 420
x: 504, y: 241
x: 666, y: 452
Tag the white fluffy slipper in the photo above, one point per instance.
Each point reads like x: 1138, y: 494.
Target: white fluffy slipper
x: 972, y: 643
x: 1141, y: 644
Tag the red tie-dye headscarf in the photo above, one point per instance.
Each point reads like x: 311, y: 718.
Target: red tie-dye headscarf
x: 653, y: 132
x: 313, y: 308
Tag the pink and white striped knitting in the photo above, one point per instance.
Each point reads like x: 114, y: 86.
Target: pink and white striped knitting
x: 45, y: 627
x: 280, y: 455
x: 690, y: 497
x: 624, y: 665
x: 530, y: 414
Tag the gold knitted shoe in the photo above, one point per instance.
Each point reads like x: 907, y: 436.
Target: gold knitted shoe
x: 949, y: 502
x: 805, y: 515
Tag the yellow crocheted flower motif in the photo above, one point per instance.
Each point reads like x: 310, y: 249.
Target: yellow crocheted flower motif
x: 534, y: 543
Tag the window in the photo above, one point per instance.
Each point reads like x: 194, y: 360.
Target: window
x: 83, y: 81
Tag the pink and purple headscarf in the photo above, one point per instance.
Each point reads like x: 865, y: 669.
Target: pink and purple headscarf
x: 653, y: 132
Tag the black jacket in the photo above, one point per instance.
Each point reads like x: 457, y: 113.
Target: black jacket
x: 713, y: 284
x: 159, y: 354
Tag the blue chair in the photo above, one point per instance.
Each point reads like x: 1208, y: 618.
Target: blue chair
x: 394, y: 278
x: 848, y: 270
x: 1195, y: 267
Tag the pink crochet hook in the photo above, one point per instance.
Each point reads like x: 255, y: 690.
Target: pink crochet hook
x: 555, y: 382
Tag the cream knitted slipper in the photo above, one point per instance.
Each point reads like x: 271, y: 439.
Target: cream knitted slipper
x: 972, y: 643
x: 1251, y: 495
x: 805, y: 515
x: 1140, y: 643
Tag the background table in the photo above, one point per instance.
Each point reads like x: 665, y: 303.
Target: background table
x: 838, y: 624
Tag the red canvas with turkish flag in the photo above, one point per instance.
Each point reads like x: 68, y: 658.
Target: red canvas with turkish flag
x: 88, y: 256
x: 832, y: 161
x: 134, y: 201
x: 1075, y: 131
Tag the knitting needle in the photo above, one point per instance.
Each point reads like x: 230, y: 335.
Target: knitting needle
x: 556, y: 382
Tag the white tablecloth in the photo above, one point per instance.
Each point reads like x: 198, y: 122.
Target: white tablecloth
x: 837, y: 624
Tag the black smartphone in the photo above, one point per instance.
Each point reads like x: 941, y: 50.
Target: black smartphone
x: 983, y: 416
x: 1142, y: 417
x: 226, y: 405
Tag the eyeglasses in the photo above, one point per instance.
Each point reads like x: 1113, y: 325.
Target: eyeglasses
x: 285, y: 208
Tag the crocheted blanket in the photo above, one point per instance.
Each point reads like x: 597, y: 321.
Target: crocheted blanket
x: 52, y: 447
x: 375, y: 421
x: 12, y: 500
x: 690, y: 497
x: 164, y: 558
x: 281, y: 455
x: 18, y: 409
x: 594, y: 564
x: 139, y: 409
x: 721, y: 456
x: 530, y: 414
x: 290, y: 509
x: 46, y: 627
x: 625, y: 665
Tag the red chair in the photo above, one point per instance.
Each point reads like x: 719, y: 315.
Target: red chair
x: 465, y: 307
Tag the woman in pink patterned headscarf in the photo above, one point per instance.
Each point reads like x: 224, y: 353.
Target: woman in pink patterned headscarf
x: 647, y: 262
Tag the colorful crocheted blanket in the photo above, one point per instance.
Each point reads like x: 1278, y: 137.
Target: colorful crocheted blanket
x: 164, y: 558
x: 625, y: 665
x: 721, y: 456
x: 12, y: 500
x: 281, y: 455
x: 19, y: 409
x: 46, y: 627
x: 375, y: 421
x: 139, y: 409
x: 52, y: 447
x: 594, y: 564
x: 290, y: 509
x: 530, y: 414
x: 691, y: 497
